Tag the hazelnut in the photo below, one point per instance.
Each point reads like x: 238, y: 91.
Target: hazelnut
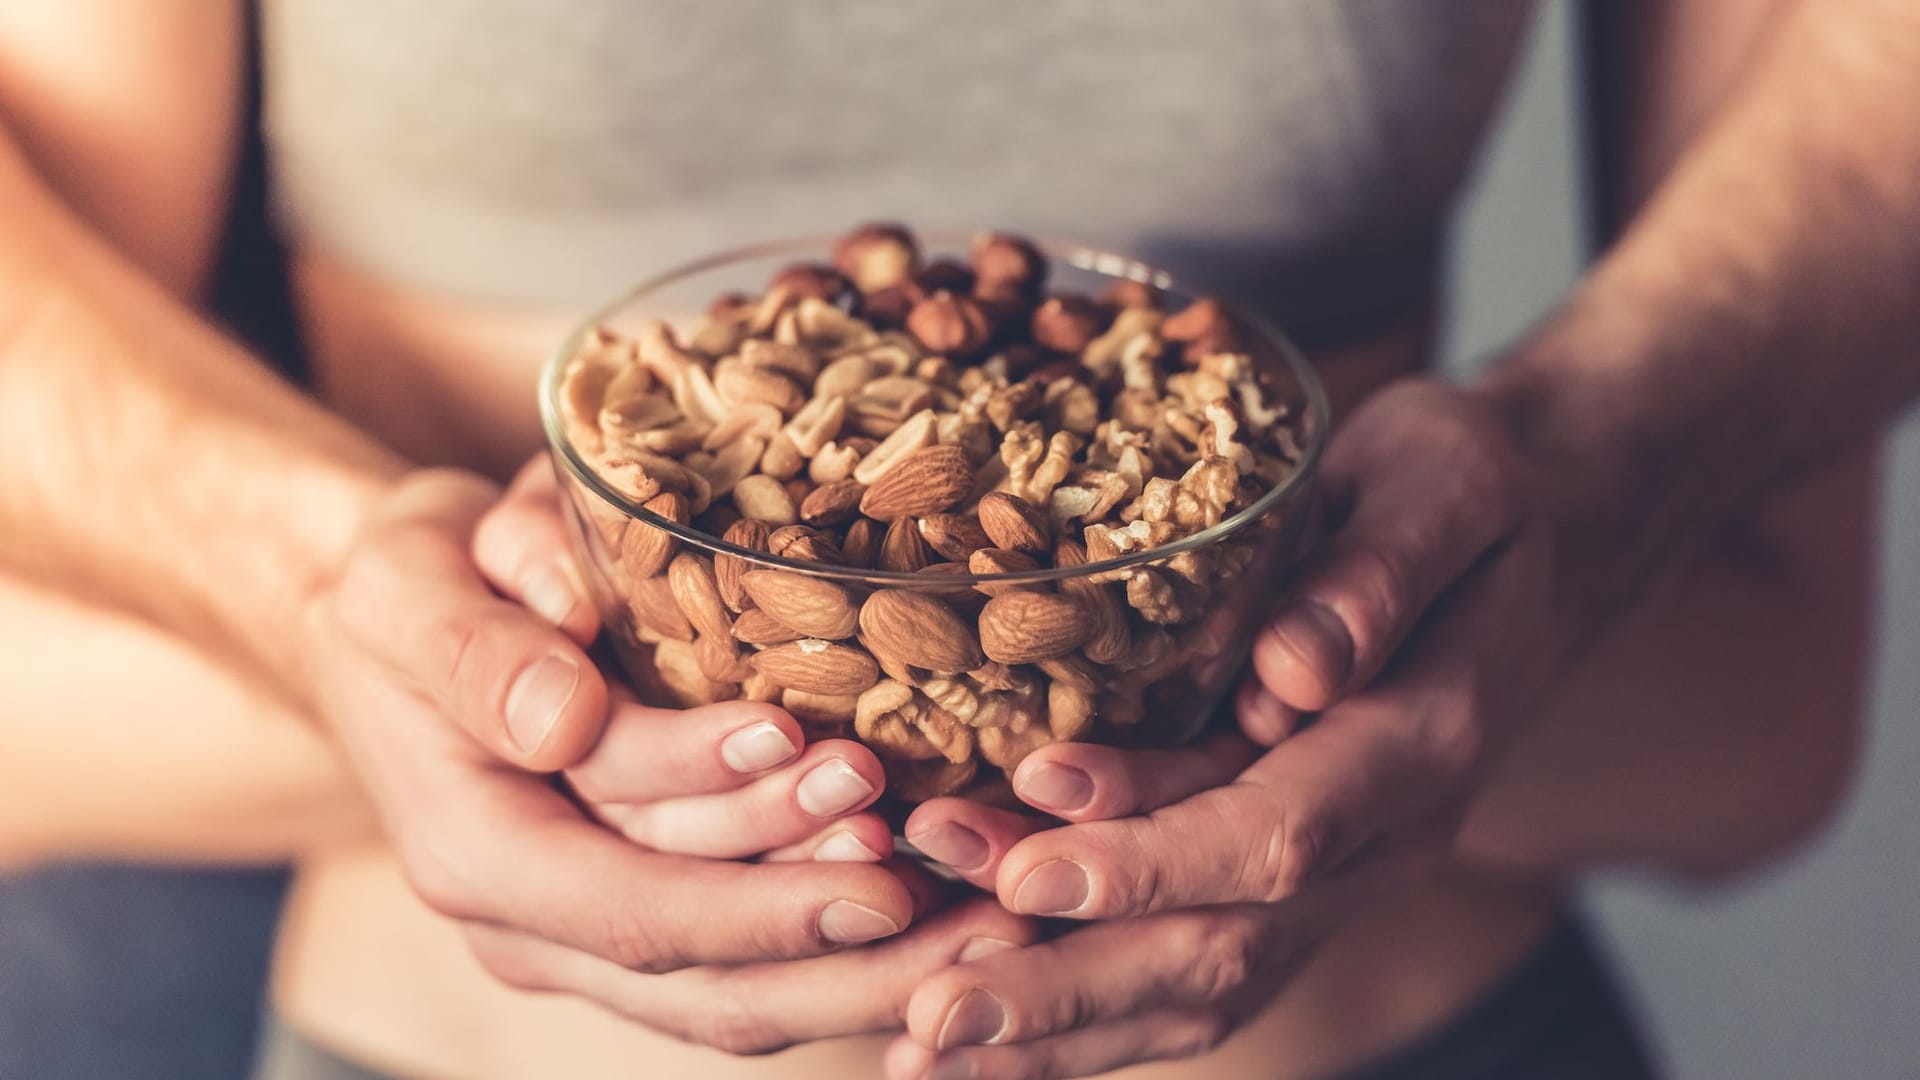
x: 950, y: 275
x: 887, y: 308
x: 876, y: 256
x: 1066, y: 323
x: 1007, y: 265
x: 950, y: 325
x: 803, y: 280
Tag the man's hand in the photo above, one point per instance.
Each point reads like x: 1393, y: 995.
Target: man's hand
x: 453, y: 702
x: 1420, y: 634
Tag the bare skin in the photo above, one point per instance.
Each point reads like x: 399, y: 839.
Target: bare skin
x: 376, y: 974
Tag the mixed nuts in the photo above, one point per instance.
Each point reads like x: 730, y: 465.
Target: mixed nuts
x: 941, y: 422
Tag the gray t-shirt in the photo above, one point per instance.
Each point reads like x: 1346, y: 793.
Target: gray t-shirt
x: 1297, y: 154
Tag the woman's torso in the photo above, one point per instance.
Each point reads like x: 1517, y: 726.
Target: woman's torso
x: 457, y: 179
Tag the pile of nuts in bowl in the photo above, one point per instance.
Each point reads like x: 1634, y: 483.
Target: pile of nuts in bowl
x: 951, y: 454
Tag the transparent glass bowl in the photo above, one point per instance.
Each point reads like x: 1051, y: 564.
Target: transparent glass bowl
x: 1166, y: 683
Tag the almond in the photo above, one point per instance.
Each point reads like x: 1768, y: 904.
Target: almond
x: 832, y: 503
x: 1112, y: 638
x: 861, y: 545
x: 653, y: 606
x: 960, y: 594
x: 721, y: 659
x: 644, y: 548
x: 817, y: 666
x: 927, y: 480
x: 902, y: 550
x: 1021, y: 627
x: 1012, y: 522
x: 955, y: 536
x: 919, y: 630
x: 756, y: 627
x: 805, y: 543
x: 680, y: 682
x: 814, y: 606
x: 728, y: 569
x: 691, y: 578
x: 1000, y: 561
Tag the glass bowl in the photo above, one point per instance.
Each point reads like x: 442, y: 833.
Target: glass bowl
x: 1149, y: 681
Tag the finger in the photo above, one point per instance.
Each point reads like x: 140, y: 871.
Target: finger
x: 412, y: 600
x: 1087, y: 782
x: 859, y: 838
x: 1219, y: 957
x: 759, y: 1008
x: 647, y: 754
x: 967, y: 837
x: 830, y: 779
x: 1164, y: 1035
x: 506, y: 848
x: 1297, y: 812
x: 1264, y: 719
x: 521, y: 546
x: 1412, y: 533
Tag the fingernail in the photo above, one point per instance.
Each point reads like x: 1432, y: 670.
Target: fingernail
x: 843, y: 846
x: 549, y: 594
x: 1317, y: 636
x: 975, y: 1019
x: 832, y: 788
x: 537, y: 698
x: 955, y: 845
x: 1060, y: 788
x: 1052, y: 888
x: 979, y: 947
x: 756, y: 747
x: 844, y: 922
x: 953, y: 1068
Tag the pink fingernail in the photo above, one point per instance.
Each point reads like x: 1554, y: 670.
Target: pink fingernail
x: 979, y: 947
x: 1060, y: 788
x: 1318, y: 638
x: 843, y: 846
x: 548, y: 592
x: 844, y: 922
x: 537, y: 699
x: 1052, y: 888
x: 955, y: 845
x: 976, y: 1019
x: 756, y: 748
x: 832, y: 788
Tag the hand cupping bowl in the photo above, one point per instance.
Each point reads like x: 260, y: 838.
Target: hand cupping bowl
x: 955, y: 510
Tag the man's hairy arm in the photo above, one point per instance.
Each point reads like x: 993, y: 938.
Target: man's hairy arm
x: 150, y: 462
x: 1760, y: 315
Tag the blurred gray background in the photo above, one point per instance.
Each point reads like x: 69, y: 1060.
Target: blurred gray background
x: 1808, y: 969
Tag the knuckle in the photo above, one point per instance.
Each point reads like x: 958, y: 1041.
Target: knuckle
x: 628, y: 941
x: 733, y: 1027
x: 1070, y: 1009
x: 1286, y: 854
x: 1225, y: 959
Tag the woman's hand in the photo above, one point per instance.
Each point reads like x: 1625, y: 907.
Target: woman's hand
x: 1421, y: 632
x: 456, y: 704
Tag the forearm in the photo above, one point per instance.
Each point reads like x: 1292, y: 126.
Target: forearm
x: 1760, y: 314
x: 151, y: 463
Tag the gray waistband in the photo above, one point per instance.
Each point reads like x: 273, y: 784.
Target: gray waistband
x: 285, y: 1054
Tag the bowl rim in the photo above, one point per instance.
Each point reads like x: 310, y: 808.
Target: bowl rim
x: 1081, y: 256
